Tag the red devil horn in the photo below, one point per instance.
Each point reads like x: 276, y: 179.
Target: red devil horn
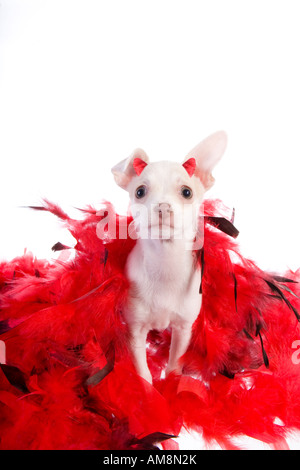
x: 139, y: 165
x: 190, y: 166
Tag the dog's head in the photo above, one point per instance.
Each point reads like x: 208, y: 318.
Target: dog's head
x: 165, y: 197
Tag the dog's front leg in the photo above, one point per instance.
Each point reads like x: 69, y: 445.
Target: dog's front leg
x: 138, y: 337
x: 181, y: 336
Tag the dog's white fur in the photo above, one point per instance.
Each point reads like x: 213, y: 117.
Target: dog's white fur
x: 162, y: 270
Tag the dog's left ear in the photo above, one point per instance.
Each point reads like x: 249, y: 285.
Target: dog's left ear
x: 132, y: 166
x: 202, y: 159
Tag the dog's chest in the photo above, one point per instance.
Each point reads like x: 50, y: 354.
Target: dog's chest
x: 164, y: 288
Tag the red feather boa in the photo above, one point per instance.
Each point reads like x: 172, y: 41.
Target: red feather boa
x: 69, y: 382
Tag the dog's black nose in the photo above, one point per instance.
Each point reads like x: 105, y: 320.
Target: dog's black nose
x: 163, y: 208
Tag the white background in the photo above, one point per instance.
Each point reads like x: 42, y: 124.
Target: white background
x: 83, y: 83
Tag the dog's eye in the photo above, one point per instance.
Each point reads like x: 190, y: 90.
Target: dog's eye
x: 186, y: 192
x: 140, y: 192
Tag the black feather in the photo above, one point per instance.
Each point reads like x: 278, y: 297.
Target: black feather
x: 235, y: 290
x: 276, y: 289
x: 284, y: 279
x: 223, y: 224
x: 202, y: 268
x: 227, y: 373
x: 148, y: 442
x: 4, y: 326
x: 105, y: 256
x: 15, y: 377
x: 59, y: 246
x: 248, y: 334
x: 265, y: 357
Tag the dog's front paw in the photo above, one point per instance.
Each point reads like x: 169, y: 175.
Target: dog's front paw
x: 171, y: 369
x: 146, y: 376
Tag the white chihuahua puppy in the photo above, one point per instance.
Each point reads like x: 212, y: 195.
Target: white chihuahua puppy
x: 162, y: 268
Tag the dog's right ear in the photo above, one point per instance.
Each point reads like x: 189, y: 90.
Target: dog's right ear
x: 132, y: 166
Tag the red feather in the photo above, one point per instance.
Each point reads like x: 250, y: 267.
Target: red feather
x: 70, y: 381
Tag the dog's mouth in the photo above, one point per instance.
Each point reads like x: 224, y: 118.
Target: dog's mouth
x: 161, y: 230
x: 161, y: 225
x: 163, y: 222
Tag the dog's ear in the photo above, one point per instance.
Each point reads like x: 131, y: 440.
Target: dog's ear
x: 132, y: 166
x: 207, y: 154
